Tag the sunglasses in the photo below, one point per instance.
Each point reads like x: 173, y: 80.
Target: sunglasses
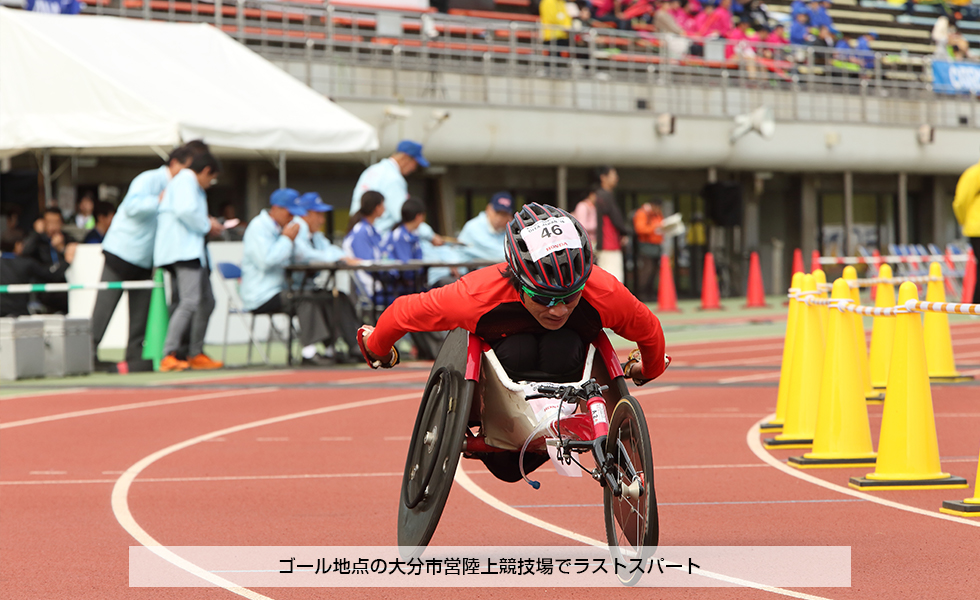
x: 549, y: 301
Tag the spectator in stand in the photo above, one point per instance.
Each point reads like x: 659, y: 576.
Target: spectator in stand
x: 845, y: 54
x: 758, y: 17
x: 484, y: 234
x: 864, y: 54
x: 84, y: 208
x: 799, y: 33
x: 684, y: 14
x: 958, y: 45
x: 363, y: 242
x: 585, y: 213
x: 819, y: 16
x: 776, y: 37
x: 743, y: 46
x: 664, y: 19
x: 646, y: 224
x: 825, y: 39
x: 403, y: 245
x: 54, y: 7
x: 797, y: 7
x: 104, y: 212
x: 48, y: 247
x: 966, y: 207
x: 719, y: 22
x: 611, y: 228
x: 16, y: 269
x: 604, y: 11
x: 555, y: 21
x: 183, y: 224
x: 228, y: 215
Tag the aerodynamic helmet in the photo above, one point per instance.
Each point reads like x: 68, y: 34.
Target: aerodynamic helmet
x: 548, y: 250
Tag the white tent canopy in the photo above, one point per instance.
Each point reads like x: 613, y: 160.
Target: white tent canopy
x: 125, y: 86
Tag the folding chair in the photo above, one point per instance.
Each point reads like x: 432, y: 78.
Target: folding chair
x: 231, y: 275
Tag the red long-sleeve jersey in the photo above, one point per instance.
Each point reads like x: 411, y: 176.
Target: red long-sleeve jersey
x: 485, y: 303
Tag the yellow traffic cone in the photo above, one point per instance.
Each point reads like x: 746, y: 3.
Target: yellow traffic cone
x: 861, y: 342
x: 908, y: 451
x: 843, y: 436
x: 969, y: 507
x: 805, y: 373
x: 821, y: 280
x: 939, y: 344
x: 882, y: 332
x: 776, y: 425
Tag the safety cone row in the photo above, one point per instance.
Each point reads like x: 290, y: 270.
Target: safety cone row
x: 820, y: 279
x: 908, y: 449
x: 710, y: 293
x: 158, y: 319
x: 666, y: 293
x: 935, y: 325
x: 861, y: 342
x: 842, y: 436
x: 755, y: 296
x: 882, y: 332
x: 798, y: 261
x: 789, y: 348
x: 814, y: 260
x: 969, y: 277
x: 806, y: 372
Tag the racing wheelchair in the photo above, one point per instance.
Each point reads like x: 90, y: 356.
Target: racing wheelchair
x: 471, y: 407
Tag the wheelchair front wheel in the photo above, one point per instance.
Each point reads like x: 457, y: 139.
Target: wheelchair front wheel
x: 632, y: 524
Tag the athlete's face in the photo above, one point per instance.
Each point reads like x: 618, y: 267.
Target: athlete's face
x: 551, y: 318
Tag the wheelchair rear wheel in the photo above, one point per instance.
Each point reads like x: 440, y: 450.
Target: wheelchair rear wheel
x: 632, y: 525
x: 435, y: 447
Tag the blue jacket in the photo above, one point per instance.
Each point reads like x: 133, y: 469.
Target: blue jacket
x: 363, y: 242
x: 865, y: 53
x: 386, y: 178
x: 266, y: 254
x: 313, y: 247
x: 57, y: 7
x: 401, y: 244
x: 182, y: 222
x: 799, y: 33
x: 131, y: 235
x: 819, y: 18
x: 482, y: 242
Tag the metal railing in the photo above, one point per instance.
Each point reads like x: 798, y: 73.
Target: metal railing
x: 431, y: 56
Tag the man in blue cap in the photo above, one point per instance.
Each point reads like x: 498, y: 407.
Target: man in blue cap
x: 313, y: 246
x: 864, y: 52
x: 387, y: 177
x: 485, y: 233
x: 268, y: 248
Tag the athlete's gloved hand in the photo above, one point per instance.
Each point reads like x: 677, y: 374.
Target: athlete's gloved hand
x: 633, y: 368
x: 374, y: 361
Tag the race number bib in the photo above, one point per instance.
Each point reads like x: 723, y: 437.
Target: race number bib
x: 550, y: 235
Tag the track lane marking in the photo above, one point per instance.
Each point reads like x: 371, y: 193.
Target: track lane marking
x: 214, y: 478
x: 120, y: 491
x: 133, y: 406
x: 470, y: 486
x: 40, y: 394
x: 755, y: 445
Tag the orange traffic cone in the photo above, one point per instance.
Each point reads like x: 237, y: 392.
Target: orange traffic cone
x: 969, y: 278
x: 805, y: 377
x: 785, y: 369
x: 842, y: 437
x: 666, y: 294
x: 756, y: 293
x: 935, y: 326
x: 814, y: 261
x: 798, y: 261
x: 710, y: 295
x: 908, y: 450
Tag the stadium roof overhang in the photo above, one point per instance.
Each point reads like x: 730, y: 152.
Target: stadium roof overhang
x: 104, y: 85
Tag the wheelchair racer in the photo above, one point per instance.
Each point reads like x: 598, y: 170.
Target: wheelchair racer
x: 538, y: 311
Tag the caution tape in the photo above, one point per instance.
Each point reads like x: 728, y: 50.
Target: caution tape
x: 847, y: 305
x: 869, y: 260
x: 945, y: 307
x: 28, y: 288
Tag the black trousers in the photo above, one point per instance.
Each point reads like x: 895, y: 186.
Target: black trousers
x: 117, y: 269
x: 319, y: 317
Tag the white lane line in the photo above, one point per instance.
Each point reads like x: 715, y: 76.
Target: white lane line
x: 272, y: 439
x: 48, y: 473
x: 41, y: 394
x: 655, y: 390
x: 120, y: 491
x: 470, y: 486
x: 753, y: 440
x: 387, y: 378
x: 220, y: 378
x: 213, y: 478
x: 336, y: 439
x: 736, y: 466
x: 756, y: 377
x: 738, y: 349
x: 120, y: 407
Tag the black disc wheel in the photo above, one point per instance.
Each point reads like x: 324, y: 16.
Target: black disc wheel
x: 433, y: 452
x: 632, y: 525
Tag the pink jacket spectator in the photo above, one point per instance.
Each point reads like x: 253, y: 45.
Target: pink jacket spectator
x: 718, y: 22
x: 585, y: 213
x: 601, y: 8
x: 775, y: 39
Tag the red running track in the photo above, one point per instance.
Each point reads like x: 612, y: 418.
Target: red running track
x: 332, y: 478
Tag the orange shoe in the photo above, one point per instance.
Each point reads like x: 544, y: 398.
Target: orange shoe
x: 172, y: 363
x: 203, y: 362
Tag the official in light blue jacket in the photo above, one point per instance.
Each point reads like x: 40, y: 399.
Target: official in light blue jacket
x: 387, y: 177
x: 182, y: 226
x: 483, y: 236
x: 128, y: 250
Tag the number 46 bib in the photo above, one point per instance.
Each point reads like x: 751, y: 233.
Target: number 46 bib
x: 550, y: 235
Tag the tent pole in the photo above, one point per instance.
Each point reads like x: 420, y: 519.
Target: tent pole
x: 46, y: 174
x: 282, y: 169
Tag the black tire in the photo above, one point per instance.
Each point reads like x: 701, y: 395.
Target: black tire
x: 435, y: 447
x: 632, y: 524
